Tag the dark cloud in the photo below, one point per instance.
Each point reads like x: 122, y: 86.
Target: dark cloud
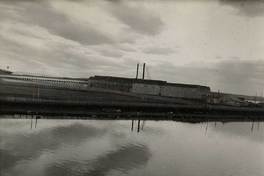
x: 62, y: 60
x: 233, y: 76
x: 250, y: 8
x: 57, y: 23
x: 158, y: 50
x: 56, y: 59
x: 240, y: 76
x: 137, y: 18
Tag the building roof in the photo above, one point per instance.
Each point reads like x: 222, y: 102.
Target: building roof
x: 128, y: 80
x: 112, y: 78
x: 145, y: 81
x: 188, y: 85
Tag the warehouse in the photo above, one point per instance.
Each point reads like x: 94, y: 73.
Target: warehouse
x: 150, y: 87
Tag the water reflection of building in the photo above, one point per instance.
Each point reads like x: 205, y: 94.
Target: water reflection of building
x: 137, y: 125
x: 58, y: 140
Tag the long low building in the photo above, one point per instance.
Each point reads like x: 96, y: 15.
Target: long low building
x: 154, y: 88
x: 150, y: 87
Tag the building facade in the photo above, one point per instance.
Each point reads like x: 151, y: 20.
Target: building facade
x: 150, y: 87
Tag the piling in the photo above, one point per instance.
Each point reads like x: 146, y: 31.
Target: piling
x: 138, y: 129
x: 132, y: 125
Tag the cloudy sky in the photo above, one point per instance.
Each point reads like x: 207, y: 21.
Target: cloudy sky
x: 219, y: 43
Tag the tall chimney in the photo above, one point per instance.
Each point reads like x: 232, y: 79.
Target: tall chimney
x: 137, y: 70
x: 144, y: 65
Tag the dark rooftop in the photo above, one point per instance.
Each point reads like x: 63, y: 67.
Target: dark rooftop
x: 188, y: 85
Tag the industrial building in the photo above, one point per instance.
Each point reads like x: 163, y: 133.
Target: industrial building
x: 150, y: 87
x: 97, y: 88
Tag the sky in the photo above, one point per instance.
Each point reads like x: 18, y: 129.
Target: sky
x: 218, y: 43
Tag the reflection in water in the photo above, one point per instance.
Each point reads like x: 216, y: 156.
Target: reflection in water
x: 107, y: 147
x: 140, y: 125
x: 123, y: 159
x: 35, y: 121
x: 23, y: 147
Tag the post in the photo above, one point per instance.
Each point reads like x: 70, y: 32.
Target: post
x: 142, y: 126
x: 137, y: 70
x: 31, y: 121
x: 36, y: 121
x: 252, y: 127
x: 132, y: 126
x: 143, y: 76
x: 138, y: 127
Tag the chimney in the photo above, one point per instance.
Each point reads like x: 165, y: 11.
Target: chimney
x: 143, y: 76
x: 137, y: 70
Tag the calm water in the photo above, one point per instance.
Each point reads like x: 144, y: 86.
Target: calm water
x: 160, y: 148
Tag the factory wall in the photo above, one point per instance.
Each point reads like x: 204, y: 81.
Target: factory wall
x: 150, y: 87
x: 171, y: 90
x: 142, y: 88
x: 184, y: 92
x: 43, y: 82
x: 112, y: 85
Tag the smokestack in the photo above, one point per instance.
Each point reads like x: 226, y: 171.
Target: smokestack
x: 137, y: 70
x: 144, y: 65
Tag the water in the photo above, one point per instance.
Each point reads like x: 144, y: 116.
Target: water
x: 109, y: 147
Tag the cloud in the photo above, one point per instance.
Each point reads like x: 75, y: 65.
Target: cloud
x: 111, y: 53
x: 59, y: 59
x: 57, y: 23
x: 228, y: 75
x: 158, y: 50
x: 137, y: 18
x: 240, y: 76
x: 250, y: 8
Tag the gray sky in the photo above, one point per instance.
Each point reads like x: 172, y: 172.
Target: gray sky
x: 219, y: 43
